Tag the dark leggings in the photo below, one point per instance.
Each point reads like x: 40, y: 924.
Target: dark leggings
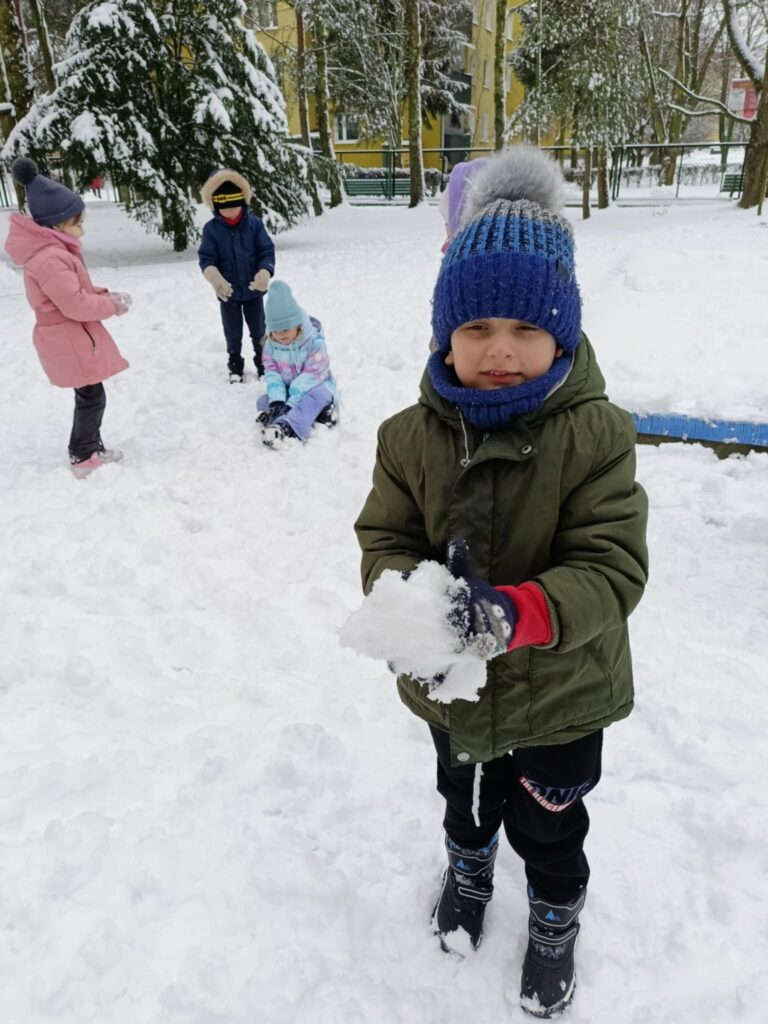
x: 536, y: 794
x: 85, y: 438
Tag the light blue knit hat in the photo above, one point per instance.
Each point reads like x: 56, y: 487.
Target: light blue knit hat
x: 281, y: 310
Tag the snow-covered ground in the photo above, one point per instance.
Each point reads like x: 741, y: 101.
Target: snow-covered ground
x: 210, y: 812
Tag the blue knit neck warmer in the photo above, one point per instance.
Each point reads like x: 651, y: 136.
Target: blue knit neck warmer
x: 491, y: 410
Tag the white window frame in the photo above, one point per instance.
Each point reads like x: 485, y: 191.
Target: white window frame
x: 341, y: 128
x: 486, y: 74
x: 510, y: 26
x: 475, y: 11
x: 484, y: 128
x: 489, y: 15
x: 270, y: 10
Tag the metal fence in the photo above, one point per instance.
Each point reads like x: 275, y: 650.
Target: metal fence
x: 107, y: 192
x: 636, y: 172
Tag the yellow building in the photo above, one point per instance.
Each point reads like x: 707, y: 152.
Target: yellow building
x: 446, y: 139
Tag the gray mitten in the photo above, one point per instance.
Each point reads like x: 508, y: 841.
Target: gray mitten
x: 220, y: 285
x: 260, y: 282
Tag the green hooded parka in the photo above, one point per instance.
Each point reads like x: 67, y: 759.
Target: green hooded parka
x: 550, y: 498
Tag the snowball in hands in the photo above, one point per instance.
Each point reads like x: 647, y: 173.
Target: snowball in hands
x: 122, y: 302
x: 407, y: 623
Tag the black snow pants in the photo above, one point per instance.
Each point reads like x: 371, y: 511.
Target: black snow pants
x: 536, y: 793
x: 85, y: 438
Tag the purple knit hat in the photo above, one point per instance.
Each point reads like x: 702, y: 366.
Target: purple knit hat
x: 460, y: 177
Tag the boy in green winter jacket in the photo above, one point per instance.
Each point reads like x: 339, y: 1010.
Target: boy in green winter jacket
x: 514, y: 457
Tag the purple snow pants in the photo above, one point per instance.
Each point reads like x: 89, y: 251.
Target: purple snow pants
x: 303, y: 414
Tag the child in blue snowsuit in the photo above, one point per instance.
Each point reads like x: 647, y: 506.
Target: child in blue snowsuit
x: 300, y: 386
x: 237, y: 258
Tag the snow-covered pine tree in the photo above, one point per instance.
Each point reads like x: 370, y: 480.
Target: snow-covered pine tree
x: 157, y: 94
x: 16, y: 91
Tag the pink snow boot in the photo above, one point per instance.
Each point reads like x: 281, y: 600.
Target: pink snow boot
x: 87, y: 466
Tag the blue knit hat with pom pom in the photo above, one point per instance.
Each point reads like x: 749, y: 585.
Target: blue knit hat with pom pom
x: 512, y: 258
x: 50, y: 203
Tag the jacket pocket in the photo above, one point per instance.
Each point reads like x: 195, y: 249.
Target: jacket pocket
x: 571, y: 688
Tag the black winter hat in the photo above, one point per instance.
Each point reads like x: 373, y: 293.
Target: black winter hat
x: 227, y: 195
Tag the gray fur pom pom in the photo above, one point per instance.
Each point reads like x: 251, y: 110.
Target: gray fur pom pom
x: 24, y: 170
x: 520, y: 172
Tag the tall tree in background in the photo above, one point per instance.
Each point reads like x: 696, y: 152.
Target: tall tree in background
x: 15, y: 76
x: 322, y: 107
x: 413, y: 69
x: 698, y: 28
x: 499, y: 75
x: 368, y: 45
x: 756, y: 163
x: 756, y: 69
x: 43, y: 40
x: 301, y: 94
x: 157, y: 95
x: 581, y: 67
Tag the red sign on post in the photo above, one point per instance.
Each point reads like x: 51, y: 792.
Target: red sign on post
x: 742, y: 98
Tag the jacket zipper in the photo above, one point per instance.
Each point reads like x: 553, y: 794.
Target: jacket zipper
x: 467, y: 457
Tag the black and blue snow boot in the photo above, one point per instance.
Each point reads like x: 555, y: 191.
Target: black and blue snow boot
x: 329, y: 416
x: 549, y: 977
x: 467, y: 889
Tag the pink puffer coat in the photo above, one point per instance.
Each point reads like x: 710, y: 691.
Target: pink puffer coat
x: 73, y: 346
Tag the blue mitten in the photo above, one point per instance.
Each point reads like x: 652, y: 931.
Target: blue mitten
x: 482, y: 617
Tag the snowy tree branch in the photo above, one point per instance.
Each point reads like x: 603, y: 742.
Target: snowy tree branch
x: 709, y: 113
x: 743, y: 53
x: 721, y: 108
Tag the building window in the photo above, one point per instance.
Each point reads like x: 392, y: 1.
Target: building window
x: 483, y: 127
x: 470, y: 122
x: 486, y: 74
x: 475, y: 11
x: 510, y: 26
x: 265, y: 13
x: 507, y: 77
x: 489, y: 15
x: 347, y: 128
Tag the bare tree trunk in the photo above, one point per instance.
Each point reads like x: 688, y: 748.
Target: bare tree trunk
x: 301, y: 89
x: 657, y: 111
x: 322, y: 103
x: 413, y: 70
x: 757, y: 154
x: 675, y: 124
x: 602, y: 178
x: 44, y: 42
x: 499, y: 79
x: 586, y: 183
x: 15, y: 82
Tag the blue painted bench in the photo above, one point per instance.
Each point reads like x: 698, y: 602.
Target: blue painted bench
x: 724, y: 436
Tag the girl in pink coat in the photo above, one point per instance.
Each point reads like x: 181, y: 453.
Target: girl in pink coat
x: 75, y: 349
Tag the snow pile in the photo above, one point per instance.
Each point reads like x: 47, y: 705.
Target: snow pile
x: 406, y: 623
